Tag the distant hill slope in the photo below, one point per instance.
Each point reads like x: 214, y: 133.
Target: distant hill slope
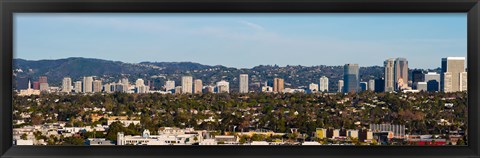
x: 159, y: 72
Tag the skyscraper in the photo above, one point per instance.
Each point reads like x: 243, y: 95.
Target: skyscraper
x: 169, y: 85
x: 198, y: 86
x: 22, y: 83
x: 380, y: 85
x: 125, y: 85
x: 141, y: 87
x: 139, y: 82
x: 67, y: 84
x: 151, y: 84
x: 323, y: 84
x: 43, y: 83
x: 450, y: 78
x: 278, y: 85
x: 417, y: 76
x: 313, y: 87
x: 389, y: 65
x: 97, y: 86
x: 36, y: 85
x: 363, y: 86
x: 463, y: 81
x: 107, y: 88
x: 187, y: 84
x: 178, y: 89
x: 421, y: 86
x: 351, y: 78
x: 87, y: 84
x: 243, y: 83
x: 433, y: 81
x: 208, y: 89
x: 340, y: 86
x: 401, y: 73
x: 78, y: 86
x: 42, y: 79
x: 223, y: 87
x: 371, y: 85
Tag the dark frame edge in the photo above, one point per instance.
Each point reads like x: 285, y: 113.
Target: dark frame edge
x: 473, y: 36
x: 6, y: 36
x: 6, y: 77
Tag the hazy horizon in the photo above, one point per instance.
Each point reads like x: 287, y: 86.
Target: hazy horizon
x: 243, y: 40
x: 220, y: 65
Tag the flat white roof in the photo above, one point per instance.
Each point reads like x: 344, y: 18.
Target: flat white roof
x: 455, y: 58
x: 224, y: 136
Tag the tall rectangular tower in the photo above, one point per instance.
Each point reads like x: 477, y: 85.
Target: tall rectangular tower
x: 87, y: 84
x: 351, y: 78
x: 452, y: 69
x: 67, y: 84
x: 323, y: 84
x: 198, y: 85
x: 187, y: 84
x: 243, y: 83
x: 389, y: 75
x: 401, y: 73
x: 169, y: 85
x: 278, y: 85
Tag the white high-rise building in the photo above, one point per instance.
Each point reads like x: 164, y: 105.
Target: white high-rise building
x: 97, y: 86
x: 371, y: 85
x: 107, y: 88
x: 67, y: 84
x: 169, y: 85
x: 142, y: 89
x: 223, y: 87
x: 340, y: 86
x: 313, y: 87
x: 187, y: 84
x: 125, y: 84
x: 323, y: 84
x: 87, y: 84
x: 453, y: 69
x: 139, y: 82
x: 463, y: 81
x: 197, y: 86
x: 389, y: 65
x: 78, y: 86
x: 243, y: 83
x: 401, y: 74
x: 421, y: 86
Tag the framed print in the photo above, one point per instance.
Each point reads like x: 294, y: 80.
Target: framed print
x: 239, y: 78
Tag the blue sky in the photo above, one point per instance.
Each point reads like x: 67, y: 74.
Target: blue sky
x: 243, y: 40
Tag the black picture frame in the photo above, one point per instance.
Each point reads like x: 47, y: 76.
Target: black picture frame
x: 10, y: 7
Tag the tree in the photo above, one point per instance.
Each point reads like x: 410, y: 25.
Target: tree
x: 258, y: 137
x: 73, y: 141
x: 37, y: 119
x: 24, y: 136
x: 243, y: 139
x: 113, y: 130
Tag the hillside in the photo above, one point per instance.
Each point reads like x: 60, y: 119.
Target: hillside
x: 159, y: 72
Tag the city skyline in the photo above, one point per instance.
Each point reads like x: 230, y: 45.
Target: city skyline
x: 243, y: 40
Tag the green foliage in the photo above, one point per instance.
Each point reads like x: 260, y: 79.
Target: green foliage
x: 73, y: 141
x: 23, y: 136
x: 419, y: 112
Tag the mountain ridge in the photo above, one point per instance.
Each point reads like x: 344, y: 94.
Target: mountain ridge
x: 159, y: 72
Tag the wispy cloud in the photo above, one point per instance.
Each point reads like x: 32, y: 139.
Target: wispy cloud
x: 252, y: 25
